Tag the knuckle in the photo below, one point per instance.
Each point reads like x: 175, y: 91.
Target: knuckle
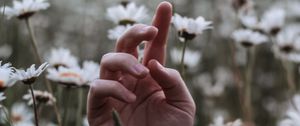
x: 174, y: 72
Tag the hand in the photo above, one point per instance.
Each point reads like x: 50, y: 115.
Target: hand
x: 145, y: 94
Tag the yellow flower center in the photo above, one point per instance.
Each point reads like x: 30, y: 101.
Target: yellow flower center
x: 1, y: 84
x: 16, y: 118
x: 70, y: 75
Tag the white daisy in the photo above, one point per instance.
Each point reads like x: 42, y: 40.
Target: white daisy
x: 90, y: 71
x: 85, y: 121
x: 2, y: 97
x: 287, y: 44
x: 249, y: 20
x: 248, y: 38
x: 6, y: 65
x: 292, y: 115
x: 5, y: 51
x: 62, y: 57
x: 66, y: 76
x: 41, y: 97
x: 191, y: 58
x: 286, y: 41
x: 29, y: 75
x: 219, y: 121
x: 128, y: 14
x: 6, y: 79
x: 21, y: 115
x: 189, y: 28
x: 272, y: 21
x: 118, y: 31
x: 25, y: 8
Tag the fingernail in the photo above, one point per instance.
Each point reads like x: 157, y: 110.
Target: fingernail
x: 139, y: 68
x: 159, y: 65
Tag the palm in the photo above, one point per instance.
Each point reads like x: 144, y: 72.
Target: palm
x: 150, y: 107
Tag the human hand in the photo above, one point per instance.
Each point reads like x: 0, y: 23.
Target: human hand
x: 147, y: 94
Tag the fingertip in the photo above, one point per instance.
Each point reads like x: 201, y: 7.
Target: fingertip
x: 140, y: 70
x: 150, y: 32
x: 165, y: 6
x: 154, y: 65
x: 131, y: 98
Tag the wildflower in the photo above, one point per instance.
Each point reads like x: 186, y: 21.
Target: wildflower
x: 29, y: 75
x: 292, y: 114
x: 25, y: 8
x: 189, y: 28
x: 272, y: 21
x: 117, y: 32
x: 248, y: 38
x: 90, y: 71
x: 191, y: 60
x: 66, y: 76
x: 42, y: 97
x: 21, y: 115
x: 219, y: 121
x: 128, y: 13
x: 62, y: 57
x: 287, y: 44
x: 6, y: 79
x: 2, y: 97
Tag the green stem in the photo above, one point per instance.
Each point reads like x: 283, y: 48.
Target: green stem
x: 116, y: 118
x: 38, y: 57
x: 182, y: 60
x: 289, y: 76
x: 34, y: 106
x: 248, y: 85
x: 66, y: 107
x: 80, y: 106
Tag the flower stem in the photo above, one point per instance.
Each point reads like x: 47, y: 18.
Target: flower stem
x: 34, y: 106
x: 116, y: 118
x: 289, y: 76
x: 237, y: 76
x: 182, y: 65
x: 38, y: 57
x: 80, y: 106
x: 66, y: 107
x: 248, y: 82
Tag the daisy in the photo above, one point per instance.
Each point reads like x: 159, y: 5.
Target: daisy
x: 6, y: 79
x: 272, y: 21
x: 66, y: 76
x: 128, y: 14
x: 117, y: 32
x: 292, y: 115
x: 29, y: 75
x: 6, y: 65
x: 90, y: 72
x: 21, y: 115
x: 42, y: 97
x: 2, y: 97
x: 250, y: 20
x: 248, y: 38
x: 62, y: 57
x: 189, y: 28
x: 25, y: 8
x: 191, y: 59
x: 286, y: 41
x: 219, y: 121
x: 85, y: 121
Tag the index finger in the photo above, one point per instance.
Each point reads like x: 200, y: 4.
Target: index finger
x: 155, y: 49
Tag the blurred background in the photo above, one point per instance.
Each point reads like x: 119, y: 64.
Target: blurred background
x: 82, y: 26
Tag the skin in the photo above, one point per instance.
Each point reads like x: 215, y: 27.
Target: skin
x: 146, y: 94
